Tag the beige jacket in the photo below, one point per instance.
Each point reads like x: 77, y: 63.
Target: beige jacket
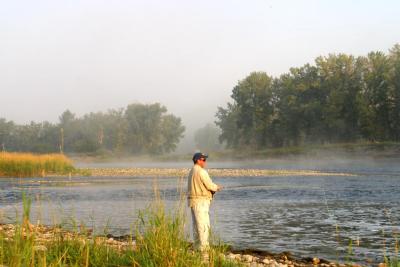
x: 200, y: 185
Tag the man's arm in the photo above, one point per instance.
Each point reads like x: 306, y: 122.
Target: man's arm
x: 208, y: 183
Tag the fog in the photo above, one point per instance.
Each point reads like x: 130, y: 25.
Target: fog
x: 89, y: 56
x: 335, y: 162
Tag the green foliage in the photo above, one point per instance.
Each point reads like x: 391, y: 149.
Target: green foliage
x: 392, y: 262
x: 135, y: 130
x: 226, y: 120
x: 150, y: 130
x: 350, y: 253
x: 394, y: 91
x: 341, y: 98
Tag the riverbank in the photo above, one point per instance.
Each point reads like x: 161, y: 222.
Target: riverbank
x: 359, y: 150
x: 44, y: 237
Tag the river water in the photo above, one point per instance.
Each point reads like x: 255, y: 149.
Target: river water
x: 352, y: 217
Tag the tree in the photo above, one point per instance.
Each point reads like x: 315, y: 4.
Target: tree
x: 341, y: 98
x: 150, y: 130
x: 375, y: 106
x: 227, y: 122
x: 172, y: 131
x: 253, y: 99
x: 206, y: 138
x: 299, y: 107
x: 144, y: 122
x: 66, y: 118
x: 394, y: 92
x: 6, y: 132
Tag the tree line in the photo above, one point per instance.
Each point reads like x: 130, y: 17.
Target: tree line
x: 136, y: 129
x: 340, y: 98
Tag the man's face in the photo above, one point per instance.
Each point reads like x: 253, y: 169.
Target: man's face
x: 201, y: 162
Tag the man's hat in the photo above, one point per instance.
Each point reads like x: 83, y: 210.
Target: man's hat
x: 198, y: 156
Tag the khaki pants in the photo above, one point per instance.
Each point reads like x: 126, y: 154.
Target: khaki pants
x: 201, y: 224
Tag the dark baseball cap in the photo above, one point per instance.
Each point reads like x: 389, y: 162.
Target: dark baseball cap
x: 198, y: 156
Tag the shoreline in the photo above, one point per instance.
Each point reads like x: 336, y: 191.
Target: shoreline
x: 45, y: 235
x: 182, y: 172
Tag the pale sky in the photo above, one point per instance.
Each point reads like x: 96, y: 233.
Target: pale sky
x: 93, y: 55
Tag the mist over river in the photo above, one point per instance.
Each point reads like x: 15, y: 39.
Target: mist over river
x: 322, y: 216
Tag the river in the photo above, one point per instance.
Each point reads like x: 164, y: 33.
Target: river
x: 352, y: 217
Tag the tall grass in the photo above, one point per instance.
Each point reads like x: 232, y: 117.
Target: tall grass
x: 29, y: 165
x: 160, y: 242
x: 161, y: 239
x: 394, y: 259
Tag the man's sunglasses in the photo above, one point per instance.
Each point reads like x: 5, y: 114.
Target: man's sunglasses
x: 202, y: 159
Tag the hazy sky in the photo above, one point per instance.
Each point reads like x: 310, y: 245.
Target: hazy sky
x: 92, y: 55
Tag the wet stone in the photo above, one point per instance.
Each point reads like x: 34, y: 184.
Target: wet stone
x: 316, y: 261
x: 233, y: 256
x: 275, y: 262
x: 247, y: 258
x: 266, y: 261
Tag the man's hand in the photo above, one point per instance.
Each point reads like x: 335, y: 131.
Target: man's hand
x: 219, y: 188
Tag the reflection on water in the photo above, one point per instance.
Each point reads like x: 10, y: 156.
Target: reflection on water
x: 309, y: 216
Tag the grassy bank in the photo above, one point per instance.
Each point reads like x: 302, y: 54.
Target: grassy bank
x: 160, y: 241
x: 29, y: 165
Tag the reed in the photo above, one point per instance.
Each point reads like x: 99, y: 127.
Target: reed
x: 30, y: 165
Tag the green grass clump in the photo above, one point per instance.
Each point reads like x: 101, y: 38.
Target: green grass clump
x: 394, y: 260
x: 30, y: 165
x: 25, y: 250
x: 161, y: 241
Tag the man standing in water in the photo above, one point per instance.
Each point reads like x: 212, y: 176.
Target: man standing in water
x: 200, y: 193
